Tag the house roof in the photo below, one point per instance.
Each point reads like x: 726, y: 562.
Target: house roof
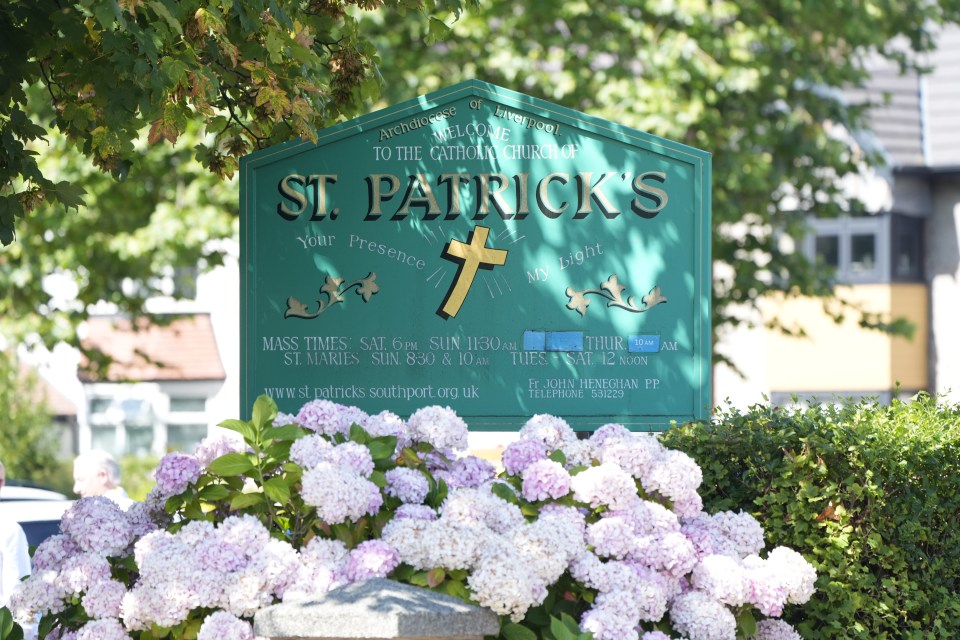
x: 919, y: 124
x: 57, y: 403
x: 183, y: 349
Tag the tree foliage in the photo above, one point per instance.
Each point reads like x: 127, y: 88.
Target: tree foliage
x: 755, y: 83
x: 28, y: 439
x: 163, y: 97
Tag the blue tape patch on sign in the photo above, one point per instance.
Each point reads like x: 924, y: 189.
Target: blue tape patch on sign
x: 534, y: 340
x: 564, y: 341
x: 643, y: 344
x: 552, y: 340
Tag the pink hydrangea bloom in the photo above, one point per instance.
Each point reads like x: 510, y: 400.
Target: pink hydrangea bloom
x: 105, y: 629
x: 97, y: 524
x: 371, y: 559
x: 339, y: 494
x: 104, y: 601
x: 438, y: 426
x: 83, y: 572
x: 221, y: 625
x: 311, y: 450
x: 415, y: 512
x: 772, y: 629
x: 218, y: 444
x: 607, y: 485
x: 322, y: 416
x: 387, y: 423
x: 545, y: 479
x: 410, y: 486
x: 350, y: 416
x: 612, y: 538
x: 552, y: 431
x: 699, y: 617
x: 52, y: 552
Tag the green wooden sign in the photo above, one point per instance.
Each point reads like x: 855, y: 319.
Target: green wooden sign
x: 484, y: 250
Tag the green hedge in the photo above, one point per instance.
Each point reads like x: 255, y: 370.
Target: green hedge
x: 869, y: 494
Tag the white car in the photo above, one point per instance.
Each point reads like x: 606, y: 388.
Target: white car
x: 37, y: 510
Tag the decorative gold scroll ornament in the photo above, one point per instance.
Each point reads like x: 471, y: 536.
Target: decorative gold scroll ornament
x: 612, y: 290
x: 333, y: 289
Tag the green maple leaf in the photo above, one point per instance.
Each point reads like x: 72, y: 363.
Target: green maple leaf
x: 69, y: 195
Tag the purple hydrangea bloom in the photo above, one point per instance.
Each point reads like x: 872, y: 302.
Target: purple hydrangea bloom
x: 350, y: 416
x: 322, y: 416
x: 216, y: 445
x: 53, y: 551
x: 521, y: 453
x: 371, y: 559
x: 415, y: 512
x: 97, y: 524
x: 221, y: 625
x: 175, y: 473
x: 545, y: 479
x: 409, y: 485
x: 105, y: 629
x: 469, y: 472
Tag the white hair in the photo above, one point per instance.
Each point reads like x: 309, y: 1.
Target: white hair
x: 98, y: 460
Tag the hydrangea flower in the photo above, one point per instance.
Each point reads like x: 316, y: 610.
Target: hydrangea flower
x: 410, y: 486
x: 545, y: 479
x: 468, y: 472
x: 322, y: 416
x: 520, y: 453
x: 371, y: 559
x: 52, y: 552
x: 438, y: 426
x: 219, y: 444
x: 339, y: 494
x: 415, y: 512
x: 773, y: 629
x: 310, y: 451
x: 699, y: 617
x: 387, y: 423
x: 647, y: 554
x: 175, y: 473
x: 105, y: 629
x: 104, y: 601
x: 221, y: 625
x: 552, y: 431
x: 97, y: 524
x: 607, y: 485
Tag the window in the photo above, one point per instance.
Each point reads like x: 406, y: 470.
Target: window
x: 104, y: 438
x: 828, y: 250
x: 99, y: 405
x: 906, y: 248
x: 863, y: 253
x: 122, y: 425
x: 186, y: 405
x: 185, y: 437
x: 868, y: 249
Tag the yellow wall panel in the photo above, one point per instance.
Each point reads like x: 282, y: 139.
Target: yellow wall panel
x: 845, y: 357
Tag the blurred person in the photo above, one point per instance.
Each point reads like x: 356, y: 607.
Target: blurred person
x: 96, y: 473
x: 14, y: 552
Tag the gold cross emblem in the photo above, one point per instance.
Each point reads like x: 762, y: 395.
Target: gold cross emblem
x: 471, y: 255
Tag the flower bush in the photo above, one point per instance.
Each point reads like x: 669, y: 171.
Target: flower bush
x: 604, y: 537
